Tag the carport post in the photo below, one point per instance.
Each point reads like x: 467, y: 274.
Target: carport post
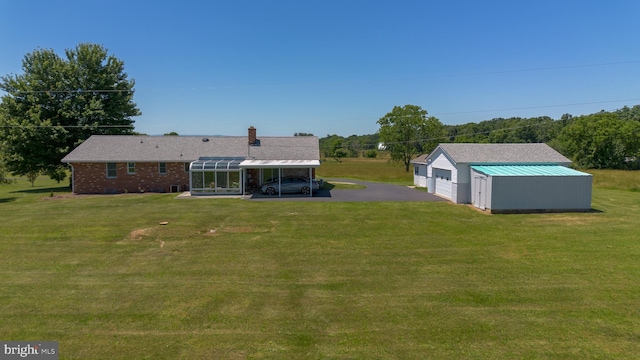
x: 279, y: 182
x: 310, y: 183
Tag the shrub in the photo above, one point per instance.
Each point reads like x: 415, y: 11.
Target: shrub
x: 372, y: 153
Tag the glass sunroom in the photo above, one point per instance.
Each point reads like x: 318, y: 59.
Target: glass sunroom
x: 210, y: 175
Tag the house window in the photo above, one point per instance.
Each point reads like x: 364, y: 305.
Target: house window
x: 415, y: 170
x: 162, y: 168
x: 186, y: 167
x: 131, y: 168
x: 111, y: 170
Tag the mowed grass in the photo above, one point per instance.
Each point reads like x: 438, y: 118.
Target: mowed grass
x: 380, y: 170
x: 235, y: 279
x: 616, y: 179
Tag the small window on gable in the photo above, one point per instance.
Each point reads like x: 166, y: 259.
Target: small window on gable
x: 415, y: 170
x: 162, y: 168
x: 131, y: 168
x: 111, y: 170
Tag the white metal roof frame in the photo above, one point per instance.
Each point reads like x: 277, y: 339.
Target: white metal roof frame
x: 210, y: 164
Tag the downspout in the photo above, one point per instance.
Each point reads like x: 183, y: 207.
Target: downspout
x: 190, y: 179
x: 73, y: 179
x: 279, y: 182
x: 243, y: 180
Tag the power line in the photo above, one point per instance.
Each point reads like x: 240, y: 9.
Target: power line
x: 350, y: 81
x: 66, y: 126
x: 549, y: 68
x: 79, y: 91
x: 537, y: 107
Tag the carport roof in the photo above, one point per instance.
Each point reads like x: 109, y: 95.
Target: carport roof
x: 527, y: 170
x: 280, y: 164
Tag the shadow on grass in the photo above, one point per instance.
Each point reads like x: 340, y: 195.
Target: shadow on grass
x: 6, y: 200
x: 546, y: 211
x: 43, y: 190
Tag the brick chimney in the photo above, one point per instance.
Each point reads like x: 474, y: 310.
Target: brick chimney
x: 252, y: 135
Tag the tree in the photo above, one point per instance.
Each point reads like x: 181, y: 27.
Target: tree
x: 407, y: 132
x: 601, y: 141
x: 58, y: 103
x: 32, y: 176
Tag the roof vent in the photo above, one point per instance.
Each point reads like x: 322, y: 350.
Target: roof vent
x: 205, y: 139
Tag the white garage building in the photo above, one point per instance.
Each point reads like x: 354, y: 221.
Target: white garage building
x: 504, y: 177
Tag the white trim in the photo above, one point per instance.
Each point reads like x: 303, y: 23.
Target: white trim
x: 257, y: 164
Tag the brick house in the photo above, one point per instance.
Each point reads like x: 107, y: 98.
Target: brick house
x: 110, y: 164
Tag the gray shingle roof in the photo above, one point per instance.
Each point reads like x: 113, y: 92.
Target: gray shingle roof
x: 501, y: 154
x: 134, y: 148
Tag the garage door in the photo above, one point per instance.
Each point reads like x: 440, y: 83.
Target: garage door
x: 443, y: 182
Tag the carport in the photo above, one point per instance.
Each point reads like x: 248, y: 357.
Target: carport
x: 259, y: 172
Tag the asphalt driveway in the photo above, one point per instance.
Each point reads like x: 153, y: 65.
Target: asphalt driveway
x: 373, y: 192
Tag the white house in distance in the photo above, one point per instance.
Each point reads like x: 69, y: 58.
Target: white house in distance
x: 504, y: 178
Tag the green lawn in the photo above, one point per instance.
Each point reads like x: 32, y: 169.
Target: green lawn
x: 380, y: 170
x: 235, y: 279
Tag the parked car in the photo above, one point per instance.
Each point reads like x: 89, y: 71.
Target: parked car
x: 290, y: 184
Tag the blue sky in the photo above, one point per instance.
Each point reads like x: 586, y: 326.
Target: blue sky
x: 336, y: 67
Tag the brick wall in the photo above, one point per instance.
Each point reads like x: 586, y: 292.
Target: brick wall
x: 91, y: 178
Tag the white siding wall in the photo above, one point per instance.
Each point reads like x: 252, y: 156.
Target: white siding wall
x: 440, y: 161
x: 463, y: 184
x: 459, y: 192
x: 420, y: 179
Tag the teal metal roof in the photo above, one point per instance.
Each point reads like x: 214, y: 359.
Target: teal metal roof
x: 527, y: 170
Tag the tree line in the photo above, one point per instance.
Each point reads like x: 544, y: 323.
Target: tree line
x: 603, y: 140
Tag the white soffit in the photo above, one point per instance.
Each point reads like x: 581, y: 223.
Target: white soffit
x: 280, y: 164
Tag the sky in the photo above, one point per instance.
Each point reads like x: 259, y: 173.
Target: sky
x: 336, y: 67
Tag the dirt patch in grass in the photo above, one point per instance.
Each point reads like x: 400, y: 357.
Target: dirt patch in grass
x: 59, y: 197
x: 139, y: 234
x: 239, y: 229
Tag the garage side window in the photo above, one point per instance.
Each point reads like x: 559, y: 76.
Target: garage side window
x: 111, y: 170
